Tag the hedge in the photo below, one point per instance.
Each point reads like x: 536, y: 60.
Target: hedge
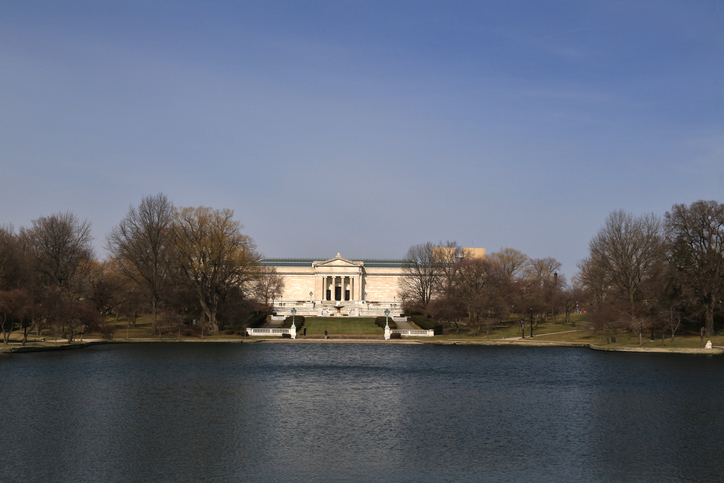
x: 380, y: 321
x: 256, y: 320
x: 426, y: 324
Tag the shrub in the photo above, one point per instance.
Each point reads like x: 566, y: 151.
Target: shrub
x: 395, y: 335
x: 426, y: 324
x: 256, y: 320
x: 286, y: 336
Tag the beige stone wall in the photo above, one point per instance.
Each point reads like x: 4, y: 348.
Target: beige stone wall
x: 474, y: 252
x: 381, y: 284
x: 298, y: 282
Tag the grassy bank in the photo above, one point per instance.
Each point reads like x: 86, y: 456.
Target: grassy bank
x: 506, y: 332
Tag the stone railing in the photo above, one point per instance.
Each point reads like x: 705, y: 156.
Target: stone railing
x: 413, y: 333
x: 268, y: 332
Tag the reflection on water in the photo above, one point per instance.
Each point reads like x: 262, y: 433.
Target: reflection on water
x: 348, y: 412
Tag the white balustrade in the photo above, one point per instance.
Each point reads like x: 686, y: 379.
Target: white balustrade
x: 414, y: 333
x: 268, y: 332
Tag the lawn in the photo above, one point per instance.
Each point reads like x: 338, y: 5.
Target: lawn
x: 545, y: 331
x: 341, y: 326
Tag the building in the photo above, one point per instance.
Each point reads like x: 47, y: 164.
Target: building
x: 340, y: 286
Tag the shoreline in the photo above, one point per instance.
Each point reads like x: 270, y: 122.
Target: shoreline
x: 366, y: 340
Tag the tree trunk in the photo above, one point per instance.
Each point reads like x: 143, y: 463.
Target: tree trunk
x: 710, y: 318
x: 6, y: 335
x: 155, y: 317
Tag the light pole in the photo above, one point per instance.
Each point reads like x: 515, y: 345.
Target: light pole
x: 293, y: 328
x: 387, y: 325
x: 531, y: 322
x: 522, y: 327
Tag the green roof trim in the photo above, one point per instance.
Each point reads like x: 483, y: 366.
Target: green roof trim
x: 307, y: 262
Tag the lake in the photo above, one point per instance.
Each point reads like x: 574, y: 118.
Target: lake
x: 358, y: 412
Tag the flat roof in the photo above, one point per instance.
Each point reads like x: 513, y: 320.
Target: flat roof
x: 307, y: 262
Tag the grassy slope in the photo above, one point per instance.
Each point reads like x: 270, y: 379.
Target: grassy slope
x: 342, y: 326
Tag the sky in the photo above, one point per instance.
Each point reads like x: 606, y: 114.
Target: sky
x: 364, y: 127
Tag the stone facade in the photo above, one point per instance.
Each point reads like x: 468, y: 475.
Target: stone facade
x: 338, y: 286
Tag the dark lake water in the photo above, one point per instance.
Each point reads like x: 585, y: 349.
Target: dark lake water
x: 357, y: 412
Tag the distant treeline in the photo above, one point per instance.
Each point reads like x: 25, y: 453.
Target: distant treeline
x: 182, y: 265
x: 195, y: 266
x: 643, y: 273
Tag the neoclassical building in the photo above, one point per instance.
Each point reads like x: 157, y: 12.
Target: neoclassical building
x: 339, y: 286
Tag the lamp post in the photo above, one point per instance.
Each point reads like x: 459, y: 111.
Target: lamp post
x: 522, y: 327
x: 387, y: 325
x: 531, y: 322
x: 293, y: 328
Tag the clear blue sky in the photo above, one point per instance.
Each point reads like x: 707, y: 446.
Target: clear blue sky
x: 364, y: 127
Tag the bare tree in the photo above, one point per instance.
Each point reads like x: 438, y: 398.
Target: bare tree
x: 626, y: 255
x: 571, y: 298
x: 11, y: 259
x: 141, y: 247
x: 105, y: 288
x: 132, y: 303
x: 513, y: 262
x: 269, y: 285
x: 479, y: 285
x: 214, y: 255
x: 13, y: 309
x: 74, y: 317
x: 542, y: 270
x: 696, y: 237
x: 58, y: 246
x: 427, y: 269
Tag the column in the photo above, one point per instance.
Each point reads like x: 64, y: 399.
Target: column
x: 351, y: 288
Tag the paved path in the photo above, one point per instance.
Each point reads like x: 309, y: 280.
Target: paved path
x: 404, y: 326
x: 273, y: 324
x: 527, y: 337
